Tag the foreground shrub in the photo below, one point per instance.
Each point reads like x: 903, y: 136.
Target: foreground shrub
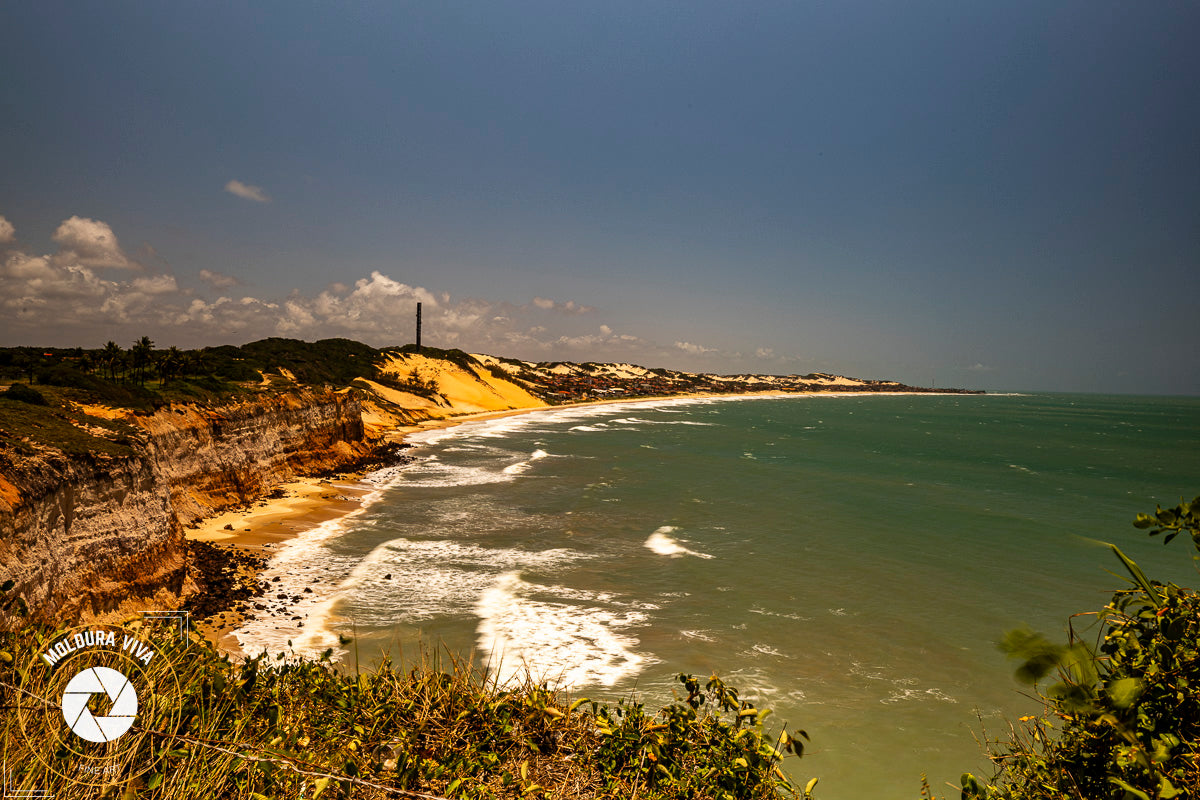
x: 307, y: 729
x: 1123, y: 719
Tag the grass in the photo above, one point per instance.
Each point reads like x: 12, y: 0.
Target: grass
x: 24, y: 427
x: 307, y: 728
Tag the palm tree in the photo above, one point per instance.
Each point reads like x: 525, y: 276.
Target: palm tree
x: 142, y: 353
x: 110, y: 356
x: 170, y: 364
x: 27, y: 360
x: 195, y: 362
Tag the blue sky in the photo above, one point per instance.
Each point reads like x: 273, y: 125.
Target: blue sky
x: 1001, y: 195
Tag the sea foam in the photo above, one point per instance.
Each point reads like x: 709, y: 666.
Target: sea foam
x: 664, y: 544
x: 566, y: 644
x: 300, y: 563
x: 522, y: 466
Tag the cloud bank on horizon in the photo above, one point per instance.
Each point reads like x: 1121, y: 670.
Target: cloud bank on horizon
x: 93, y: 290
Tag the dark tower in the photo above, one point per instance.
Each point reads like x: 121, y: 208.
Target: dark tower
x: 418, y: 326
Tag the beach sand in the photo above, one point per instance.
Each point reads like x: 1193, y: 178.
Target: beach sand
x: 296, y: 507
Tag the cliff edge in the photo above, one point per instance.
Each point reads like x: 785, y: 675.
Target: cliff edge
x: 92, y: 531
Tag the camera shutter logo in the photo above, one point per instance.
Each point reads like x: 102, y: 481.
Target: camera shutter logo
x: 120, y: 693
x: 115, y: 688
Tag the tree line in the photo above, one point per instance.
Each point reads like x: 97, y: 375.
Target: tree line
x: 136, y: 364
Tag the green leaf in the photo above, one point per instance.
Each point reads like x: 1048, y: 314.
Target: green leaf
x: 1135, y: 792
x: 320, y: 786
x: 970, y: 785
x: 1124, y: 692
x: 1138, y: 576
x: 1081, y: 664
x: 1040, y: 656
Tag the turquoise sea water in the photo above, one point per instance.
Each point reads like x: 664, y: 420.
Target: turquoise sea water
x: 848, y: 562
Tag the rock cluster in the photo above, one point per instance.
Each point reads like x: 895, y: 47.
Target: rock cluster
x: 224, y: 577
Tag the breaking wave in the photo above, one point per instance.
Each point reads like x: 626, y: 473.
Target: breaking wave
x: 664, y: 544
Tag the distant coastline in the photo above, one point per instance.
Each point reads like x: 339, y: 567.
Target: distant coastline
x: 159, y: 452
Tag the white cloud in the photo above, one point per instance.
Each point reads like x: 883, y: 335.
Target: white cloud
x: 694, y: 349
x: 7, y: 231
x: 155, y: 284
x: 979, y: 368
x: 23, y: 267
x: 570, y: 306
x: 45, y: 294
x: 90, y: 243
x: 218, y: 280
x: 764, y: 352
x: 247, y: 192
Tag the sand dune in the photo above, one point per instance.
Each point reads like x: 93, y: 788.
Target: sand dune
x: 454, y: 387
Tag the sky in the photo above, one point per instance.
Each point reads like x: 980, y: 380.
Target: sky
x: 983, y: 195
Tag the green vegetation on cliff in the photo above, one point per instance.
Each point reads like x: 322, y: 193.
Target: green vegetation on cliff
x: 57, y: 424
x: 143, y: 378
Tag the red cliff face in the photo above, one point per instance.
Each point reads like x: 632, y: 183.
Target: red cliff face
x: 86, y: 531
x: 86, y: 536
x: 213, y: 458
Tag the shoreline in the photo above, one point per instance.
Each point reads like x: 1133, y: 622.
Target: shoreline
x: 293, y: 508
x: 288, y: 510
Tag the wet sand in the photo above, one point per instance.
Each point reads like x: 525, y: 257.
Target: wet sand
x: 264, y: 525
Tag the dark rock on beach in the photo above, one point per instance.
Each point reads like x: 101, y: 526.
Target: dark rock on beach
x: 224, y: 577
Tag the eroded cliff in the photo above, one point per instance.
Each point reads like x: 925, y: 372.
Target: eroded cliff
x: 213, y: 458
x: 86, y: 535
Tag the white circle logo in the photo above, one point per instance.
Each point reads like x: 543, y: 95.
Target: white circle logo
x: 121, y: 695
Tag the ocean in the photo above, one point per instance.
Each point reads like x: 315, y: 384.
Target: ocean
x: 846, y: 561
